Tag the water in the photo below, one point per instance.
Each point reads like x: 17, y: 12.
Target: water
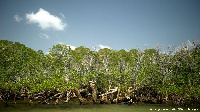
x: 75, y: 107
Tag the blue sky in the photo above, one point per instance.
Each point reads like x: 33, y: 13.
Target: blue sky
x: 117, y: 24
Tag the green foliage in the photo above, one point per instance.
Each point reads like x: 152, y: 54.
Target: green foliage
x: 64, y: 68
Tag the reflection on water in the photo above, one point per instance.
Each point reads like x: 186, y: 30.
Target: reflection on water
x: 75, y: 107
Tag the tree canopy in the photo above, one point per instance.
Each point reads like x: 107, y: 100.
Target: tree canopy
x: 63, y: 68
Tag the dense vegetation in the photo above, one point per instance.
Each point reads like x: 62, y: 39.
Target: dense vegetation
x: 103, y: 76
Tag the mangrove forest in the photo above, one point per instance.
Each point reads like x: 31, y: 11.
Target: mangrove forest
x: 101, y: 77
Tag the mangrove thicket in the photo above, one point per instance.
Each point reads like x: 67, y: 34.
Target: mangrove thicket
x: 103, y: 76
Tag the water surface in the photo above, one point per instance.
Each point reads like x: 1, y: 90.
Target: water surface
x: 75, y: 107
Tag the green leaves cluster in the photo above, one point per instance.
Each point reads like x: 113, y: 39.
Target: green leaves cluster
x: 63, y: 68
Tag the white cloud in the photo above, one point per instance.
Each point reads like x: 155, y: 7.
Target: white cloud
x: 17, y: 18
x: 71, y: 46
x: 102, y: 46
x: 62, y: 15
x: 45, y: 20
x: 60, y: 43
x: 43, y: 36
x: 46, y: 53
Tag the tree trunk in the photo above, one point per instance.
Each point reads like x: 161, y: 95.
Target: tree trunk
x: 15, y: 98
x: 2, y: 98
x: 78, y: 94
x: 68, y: 96
x: 118, y: 92
x: 94, y: 92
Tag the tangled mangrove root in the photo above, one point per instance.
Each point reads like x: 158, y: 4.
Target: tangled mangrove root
x: 90, y: 93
